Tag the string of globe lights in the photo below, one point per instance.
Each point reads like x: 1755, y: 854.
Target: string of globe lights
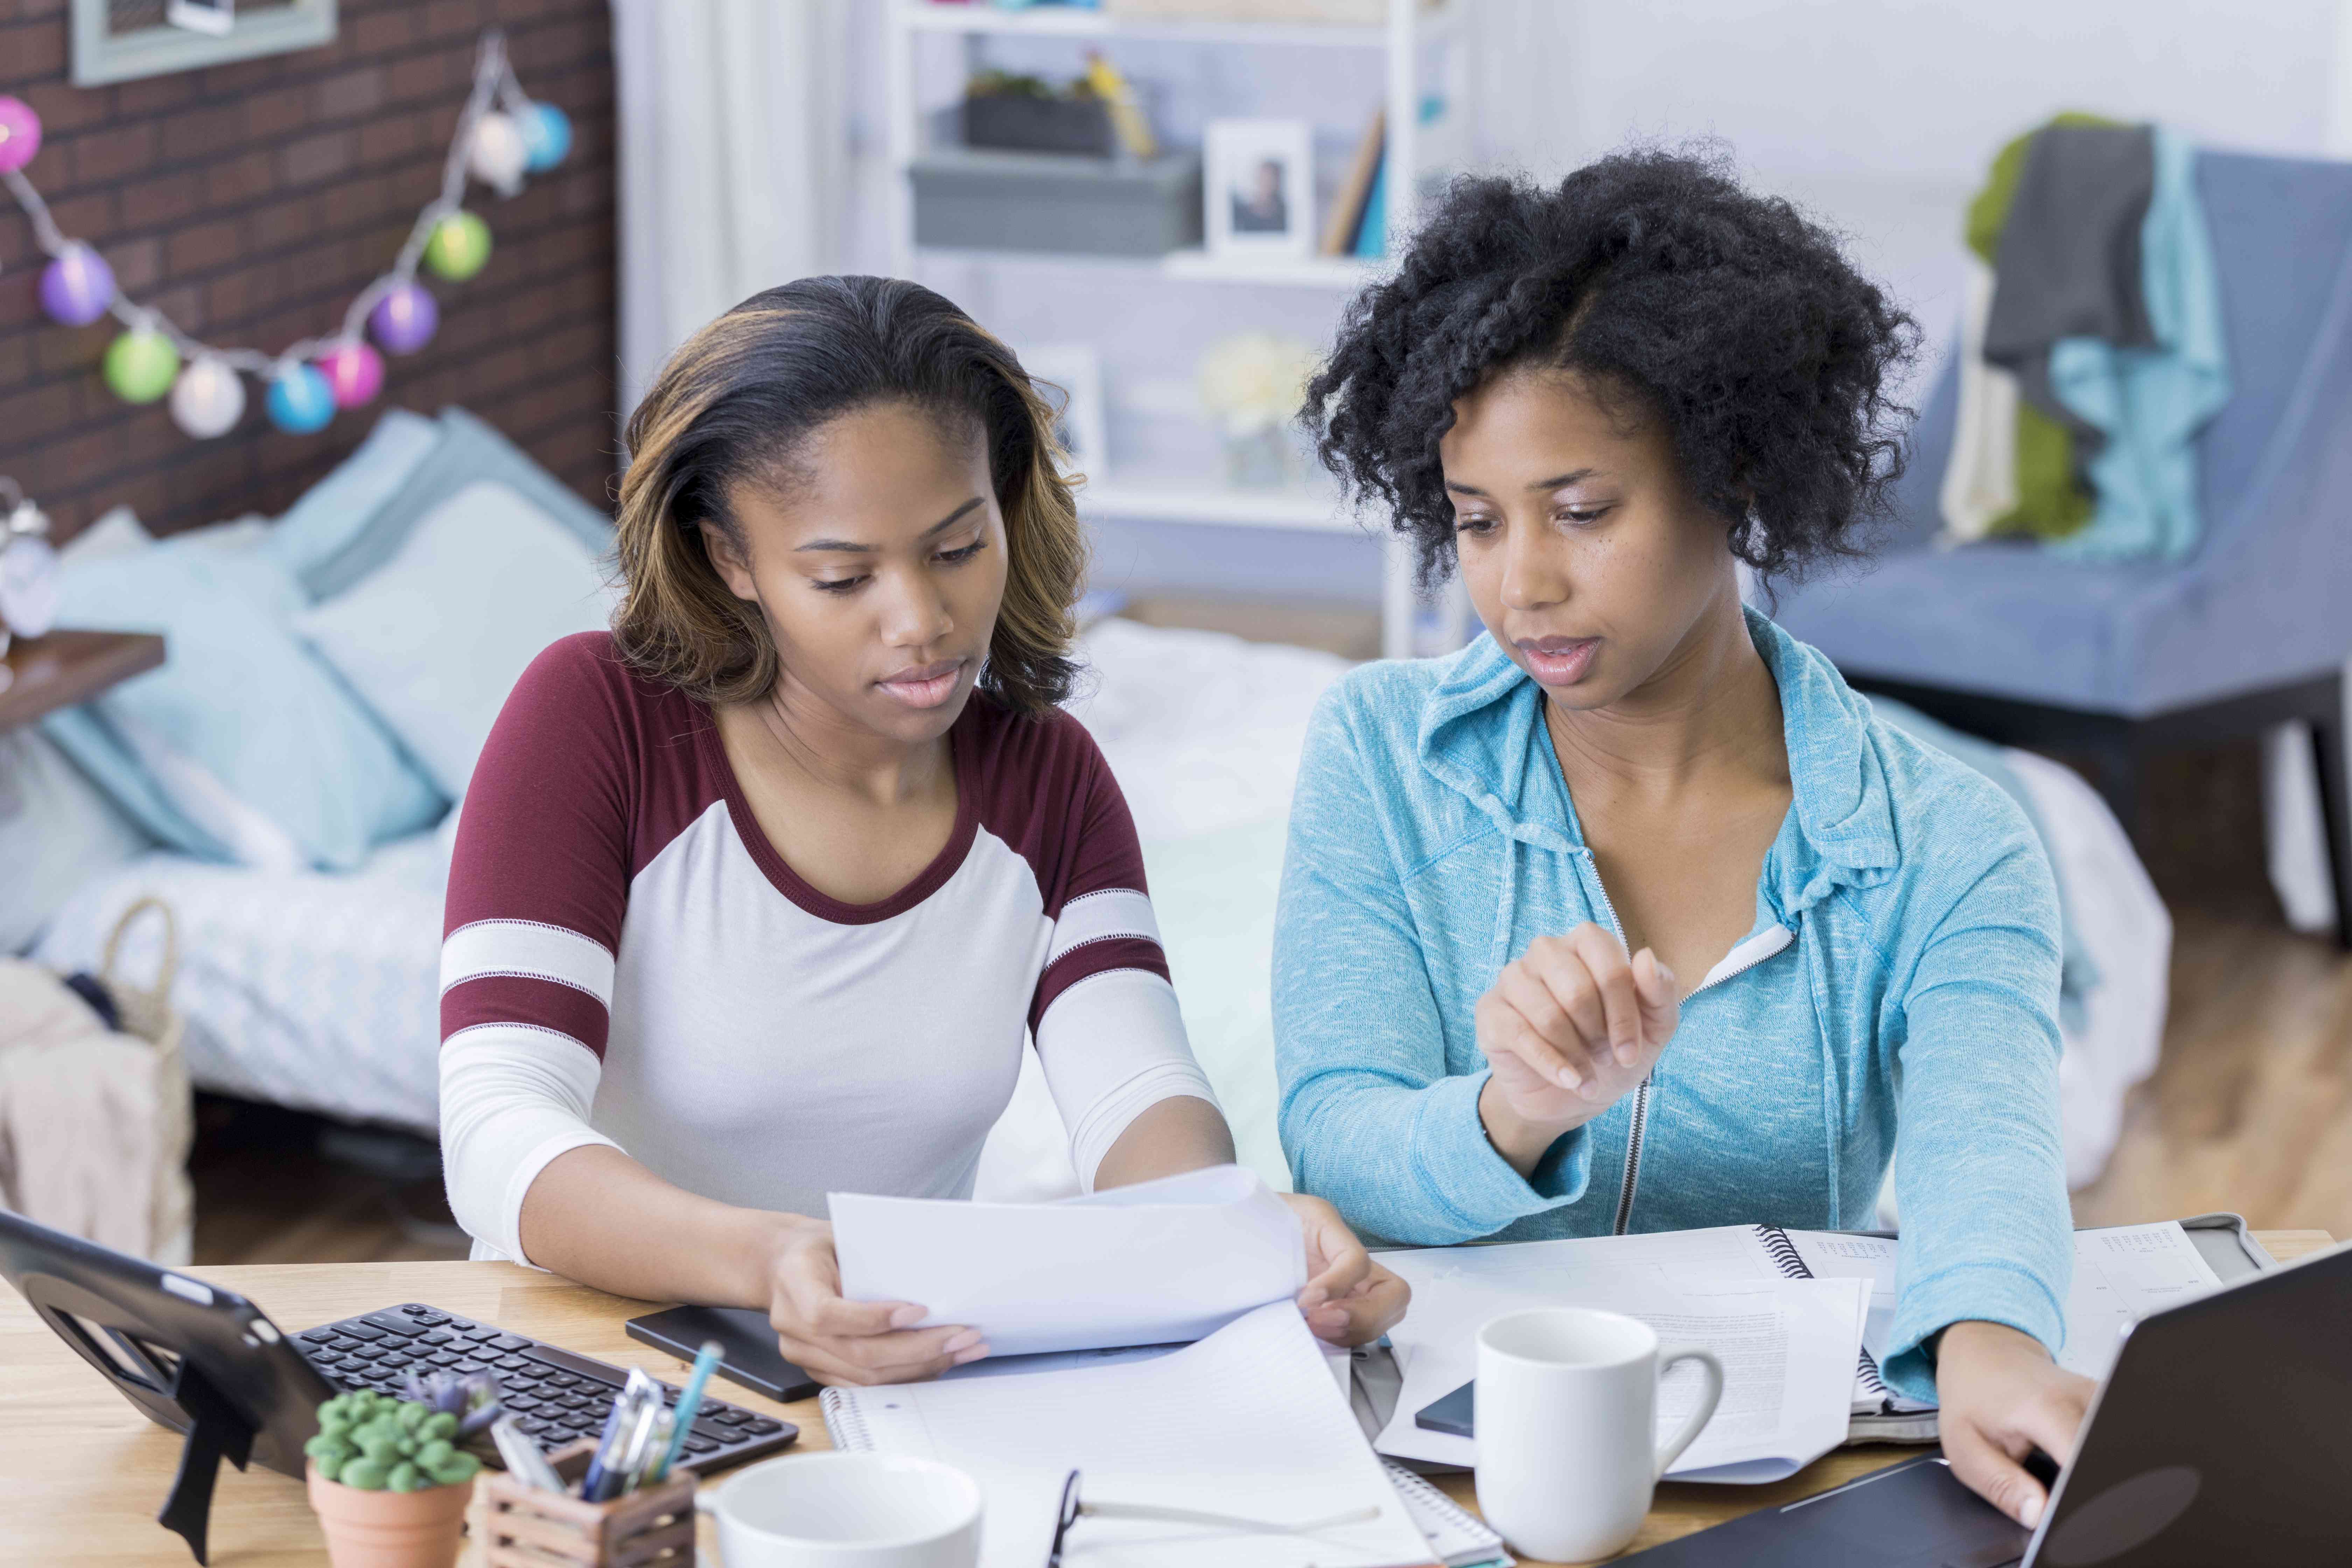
x: 501, y: 134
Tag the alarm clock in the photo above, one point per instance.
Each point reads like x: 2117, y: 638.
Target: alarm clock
x: 28, y: 569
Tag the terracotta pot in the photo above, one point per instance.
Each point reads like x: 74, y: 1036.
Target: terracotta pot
x: 390, y: 1529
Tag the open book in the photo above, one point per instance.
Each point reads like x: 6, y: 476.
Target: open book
x: 1246, y: 1422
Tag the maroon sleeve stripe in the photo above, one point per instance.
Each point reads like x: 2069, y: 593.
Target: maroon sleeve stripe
x: 1091, y: 959
x: 520, y: 999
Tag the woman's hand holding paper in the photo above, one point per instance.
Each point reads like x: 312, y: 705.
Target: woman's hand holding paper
x: 837, y: 1341
x: 1348, y: 1299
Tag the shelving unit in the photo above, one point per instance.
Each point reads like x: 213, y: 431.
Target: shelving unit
x: 1410, y: 28
x: 1337, y: 273
x: 1306, y: 510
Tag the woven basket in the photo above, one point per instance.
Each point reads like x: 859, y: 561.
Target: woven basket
x: 148, y: 1013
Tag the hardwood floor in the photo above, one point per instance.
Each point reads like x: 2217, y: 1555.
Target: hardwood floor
x: 265, y: 1193
x: 2250, y: 1108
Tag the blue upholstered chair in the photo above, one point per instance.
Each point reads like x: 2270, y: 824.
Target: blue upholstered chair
x: 2117, y: 660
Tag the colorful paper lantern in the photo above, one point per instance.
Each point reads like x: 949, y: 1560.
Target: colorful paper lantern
x: 547, y: 132
x: 141, y: 365
x: 498, y: 153
x: 355, y: 372
x: 78, y: 286
x: 458, y: 247
x: 299, y: 400
x: 208, y: 399
x: 404, y: 319
x: 20, y: 133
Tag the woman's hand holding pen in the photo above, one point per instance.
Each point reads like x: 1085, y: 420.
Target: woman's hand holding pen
x: 1569, y: 1028
x: 837, y: 1341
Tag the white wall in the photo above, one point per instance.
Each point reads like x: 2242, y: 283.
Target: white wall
x: 1882, y: 115
x: 1878, y: 115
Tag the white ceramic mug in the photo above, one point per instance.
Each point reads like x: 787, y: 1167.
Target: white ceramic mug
x: 1565, y: 1412
x: 846, y: 1510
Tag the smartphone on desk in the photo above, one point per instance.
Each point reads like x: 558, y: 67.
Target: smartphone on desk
x: 1455, y: 1413
x: 747, y: 1346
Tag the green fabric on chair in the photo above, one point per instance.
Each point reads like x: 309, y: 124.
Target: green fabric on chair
x: 2051, y: 502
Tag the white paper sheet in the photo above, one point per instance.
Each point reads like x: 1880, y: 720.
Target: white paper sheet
x: 1149, y: 1264
x: 2122, y: 1273
x: 1788, y: 1346
x: 1246, y: 1422
x: 1870, y: 1258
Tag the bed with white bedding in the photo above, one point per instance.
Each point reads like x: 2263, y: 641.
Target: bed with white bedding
x: 319, y: 989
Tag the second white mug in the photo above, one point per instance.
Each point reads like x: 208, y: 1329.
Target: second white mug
x: 847, y: 1510
x: 1566, y: 1411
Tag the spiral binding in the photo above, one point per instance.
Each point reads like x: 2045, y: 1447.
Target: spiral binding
x: 844, y: 1422
x: 1791, y: 1262
x: 1785, y: 1256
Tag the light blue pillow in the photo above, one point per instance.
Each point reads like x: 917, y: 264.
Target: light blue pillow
x: 240, y: 698
x: 435, y: 638
x: 332, y: 512
x: 468, y: 450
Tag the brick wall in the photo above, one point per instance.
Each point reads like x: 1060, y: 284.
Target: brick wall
x: 251, y: 201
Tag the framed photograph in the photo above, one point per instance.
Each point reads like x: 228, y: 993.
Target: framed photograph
x: 1070, y: 375
x: 1257, y: 181
x: 123, y: 40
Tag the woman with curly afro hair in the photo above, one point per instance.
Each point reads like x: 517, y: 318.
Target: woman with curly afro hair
x: 1631, y: 916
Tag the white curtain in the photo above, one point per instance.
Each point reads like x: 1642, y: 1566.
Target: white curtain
x: 732, y: 135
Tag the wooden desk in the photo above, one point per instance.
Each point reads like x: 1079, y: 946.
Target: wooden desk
x: 82, y: 1473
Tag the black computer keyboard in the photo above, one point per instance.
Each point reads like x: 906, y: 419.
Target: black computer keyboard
x: 553, y: 1394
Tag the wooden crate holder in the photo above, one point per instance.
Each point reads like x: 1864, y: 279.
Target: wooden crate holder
x: 524, y: 1526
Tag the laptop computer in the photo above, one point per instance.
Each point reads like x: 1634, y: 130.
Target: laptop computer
x: 2220, y: 1436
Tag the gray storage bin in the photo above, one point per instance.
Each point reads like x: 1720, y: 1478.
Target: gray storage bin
x: 1019, y: 201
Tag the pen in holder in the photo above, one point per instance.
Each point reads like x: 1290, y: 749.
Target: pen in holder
x: 525, y: 1527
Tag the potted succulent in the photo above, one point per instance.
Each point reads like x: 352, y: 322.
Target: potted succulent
x: 387, y: 1478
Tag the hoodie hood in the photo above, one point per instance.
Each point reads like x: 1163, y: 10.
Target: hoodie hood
x: 1482, y: 735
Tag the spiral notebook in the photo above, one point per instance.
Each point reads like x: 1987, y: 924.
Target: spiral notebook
x: 1459, y: 1537
x: 2122, y: 1273
x: 1878, y: 1412
x: 1245, y: 1423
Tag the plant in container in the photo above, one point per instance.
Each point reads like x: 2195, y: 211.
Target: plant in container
x: 1250, y: 383
x: 1016, y: 113
x: 387, y: 1478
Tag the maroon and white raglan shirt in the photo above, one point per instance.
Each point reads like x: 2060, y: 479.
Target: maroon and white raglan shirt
x: 627, y: 961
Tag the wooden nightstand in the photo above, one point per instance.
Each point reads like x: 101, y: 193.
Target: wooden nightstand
x: 44, y: 674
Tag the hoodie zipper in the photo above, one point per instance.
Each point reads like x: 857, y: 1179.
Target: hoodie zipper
x: 1632, y: 1171
x: 1634, y: 1136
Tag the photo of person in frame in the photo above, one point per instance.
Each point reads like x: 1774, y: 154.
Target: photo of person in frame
x: 1259, y: 205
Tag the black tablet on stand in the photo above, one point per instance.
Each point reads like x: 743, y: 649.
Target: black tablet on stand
x: 197, y: 1359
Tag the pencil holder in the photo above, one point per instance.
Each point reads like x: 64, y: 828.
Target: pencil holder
x: 524, y: 1526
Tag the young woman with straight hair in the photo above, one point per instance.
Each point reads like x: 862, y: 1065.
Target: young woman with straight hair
x: 756, y: 896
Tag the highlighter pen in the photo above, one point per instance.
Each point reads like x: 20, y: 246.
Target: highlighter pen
x: 690, y: 1402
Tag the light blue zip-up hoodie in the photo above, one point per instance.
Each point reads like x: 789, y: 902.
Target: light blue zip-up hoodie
x: 1902, y: 973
